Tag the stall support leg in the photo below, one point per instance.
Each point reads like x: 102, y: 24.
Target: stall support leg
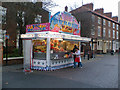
x: 48, y: 52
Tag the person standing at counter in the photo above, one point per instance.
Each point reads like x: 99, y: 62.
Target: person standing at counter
x: 77, y: 58
x: 74, y: 50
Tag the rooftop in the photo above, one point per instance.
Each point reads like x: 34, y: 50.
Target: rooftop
x: 86, y: 7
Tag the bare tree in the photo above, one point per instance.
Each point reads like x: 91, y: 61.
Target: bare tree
x: 74, y: 6
x: 25, y: 13
x: 48, y: 5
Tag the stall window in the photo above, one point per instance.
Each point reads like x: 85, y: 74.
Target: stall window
x: 39, y: 49
x: 61, y: 49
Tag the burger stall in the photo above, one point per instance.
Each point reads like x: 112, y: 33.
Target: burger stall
x: 47, y: 46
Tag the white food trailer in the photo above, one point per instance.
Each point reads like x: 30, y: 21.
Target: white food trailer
x: 47, y: 46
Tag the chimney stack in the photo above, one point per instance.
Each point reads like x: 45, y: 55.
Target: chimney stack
x: 115, y: 18
x: 89, y: 5
x: 66, y: 8
x: 100, y: 10
x: 109, y: 14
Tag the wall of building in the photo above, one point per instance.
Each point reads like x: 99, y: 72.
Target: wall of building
x: 84, y: 17
x: 11, y: 19
x: 91, y: 20
x: 119, y: 11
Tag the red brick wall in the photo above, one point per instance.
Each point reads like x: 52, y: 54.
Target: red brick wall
x: 100, y: 10
x: 108, y: 14
x: 90, y: 6
x: 115, y: 18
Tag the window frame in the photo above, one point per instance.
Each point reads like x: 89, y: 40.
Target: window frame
x: 99, y: 31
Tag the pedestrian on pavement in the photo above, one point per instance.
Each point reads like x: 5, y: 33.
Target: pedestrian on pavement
x: 74, y: 49
x: 77, y: 58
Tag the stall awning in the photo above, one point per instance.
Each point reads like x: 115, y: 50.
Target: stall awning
x: 55, y: 35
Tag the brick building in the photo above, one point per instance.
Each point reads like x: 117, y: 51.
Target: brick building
x: 101, y: 27
x: 2, y: 15
x: 119, y: 11
x: 119, y: 20
x: 31, y: 13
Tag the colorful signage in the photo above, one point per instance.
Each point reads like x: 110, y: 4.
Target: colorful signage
x: 38, y: 27
x: 64, y: 23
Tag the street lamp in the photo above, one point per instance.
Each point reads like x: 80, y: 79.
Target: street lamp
x: 93, y: 40
x: 92, y: 47
x: 7, y: 37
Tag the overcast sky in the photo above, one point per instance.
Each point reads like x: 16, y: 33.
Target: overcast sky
x: 108, y: 5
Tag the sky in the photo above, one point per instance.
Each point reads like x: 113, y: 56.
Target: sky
x: 108, y: 5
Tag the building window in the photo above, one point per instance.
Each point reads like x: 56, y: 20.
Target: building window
x: 99, y: 31
x: 104, y: 22
x: 113, y: 33
x: 113, y: 25
x: 93, y: 18
x: 3, y: 15
x: 117, y: 36
x: 117, y: 26
x: 93, y: 30
x: 104, y: 32
x: 109, y: 33
x: 4, y: 37
x: 38, y: 19
x: 99, y: 20
x: 109, y: 24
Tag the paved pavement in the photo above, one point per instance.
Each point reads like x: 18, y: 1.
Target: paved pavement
x: 101, y: 72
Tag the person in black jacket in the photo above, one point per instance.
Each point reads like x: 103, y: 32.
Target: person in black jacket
x: 74, y: 50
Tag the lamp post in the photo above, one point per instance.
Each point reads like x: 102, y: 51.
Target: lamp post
x: 7, y: 37
x: 92, y: 47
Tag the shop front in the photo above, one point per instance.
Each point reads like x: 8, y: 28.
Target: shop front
x: 48, y: 46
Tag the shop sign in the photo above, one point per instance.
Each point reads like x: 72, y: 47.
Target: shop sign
x: 49, y: 35
x: 27, y: 35
x: 64, y: 23
x: 38, y: 27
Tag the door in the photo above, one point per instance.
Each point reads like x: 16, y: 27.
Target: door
x: 104, y: 48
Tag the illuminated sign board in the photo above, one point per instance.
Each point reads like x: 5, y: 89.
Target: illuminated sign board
x: 61, y: 22
x: 38, y: 27
x: 64, y: 22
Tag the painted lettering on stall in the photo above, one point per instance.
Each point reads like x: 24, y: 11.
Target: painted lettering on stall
x: 64, y: 23
x: 37, y: 27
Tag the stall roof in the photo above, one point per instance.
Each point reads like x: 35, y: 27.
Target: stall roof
x: 56, y: 35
